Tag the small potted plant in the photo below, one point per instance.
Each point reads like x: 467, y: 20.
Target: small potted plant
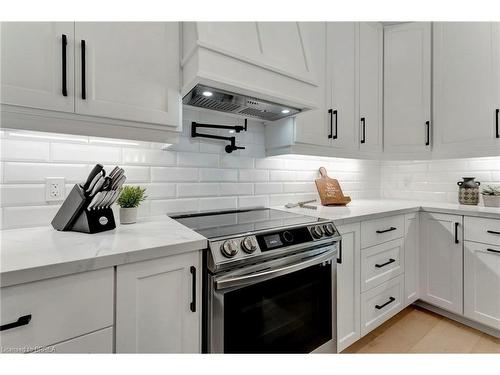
x: 129, y: 200
x: 491, y: 196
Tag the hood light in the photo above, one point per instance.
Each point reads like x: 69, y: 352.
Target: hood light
x: 208, y: 94
x: 285, y: 111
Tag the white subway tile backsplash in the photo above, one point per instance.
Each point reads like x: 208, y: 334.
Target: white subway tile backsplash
x: 149, y: 157
x: 37, y: 172
x: 233, y: 188
x: 192, y: 159
x: 217, y: 203
x: 160, y: 174
x: 17, y: 150
x: 197, y: 190
x: 195, y: 174
x: 211, y: 174
x: 76, y: 153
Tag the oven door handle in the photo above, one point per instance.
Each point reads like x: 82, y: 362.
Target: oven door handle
x: 238, y: 281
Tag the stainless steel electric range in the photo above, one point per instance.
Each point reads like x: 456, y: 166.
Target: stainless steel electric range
x: 268, y: 282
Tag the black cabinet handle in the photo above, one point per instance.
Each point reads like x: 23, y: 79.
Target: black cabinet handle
x: 494, y: 251
x: 21, y: 321
x: 456, y: 232
x: 84, y: 81
x: 339, y: 259
x: 192, y: 305
x: 330, y: 112
x: 63, y: 62
x: 427, y: 133
x: 496, y: 122
x: 385, y: 264
x: 391, y: 299
x: 363, y: 130
x: 336, y: 124
x: 492, y: 232
x: 386, y: 230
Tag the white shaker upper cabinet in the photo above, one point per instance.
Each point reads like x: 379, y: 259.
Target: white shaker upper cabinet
x: 407, y: 88
x: 128, y: 71
x: 33, y: 73
x: 441, y: 274
x: 466, y: 88
x: 341, y: 96
x: 370, y: 85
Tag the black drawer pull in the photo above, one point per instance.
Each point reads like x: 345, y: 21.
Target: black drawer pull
x: 496, y: 123
x: 339, y: 259
x: 363, y: 130
x: 63, y: 62
x: 386, y: 230
x: 391, y: 299
x: 385, y: 264
x: 427, y: 133
x: 456, y: 232
x: 192, y: 305
x: 336, y: 124
x: 84, y: 79
x: 494, y: 251
x: 492, y: 232
x: 22, y: 321
x: 330, y: 112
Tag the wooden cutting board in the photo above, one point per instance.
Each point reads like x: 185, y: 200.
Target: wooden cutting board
x: 330, y: 191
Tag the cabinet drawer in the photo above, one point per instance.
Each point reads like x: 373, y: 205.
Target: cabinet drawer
x: 482, y: 230
x: 60, y: 309
x: 381, y: 263
x: 380, y: 304
x: 95, y: 342
x: 377, y: 231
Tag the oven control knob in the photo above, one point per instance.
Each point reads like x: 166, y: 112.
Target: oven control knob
x: 249, y: 245
x: 317, y: 232
x: 329, y: 229
x: 288, y: 236
x: 229, y: 248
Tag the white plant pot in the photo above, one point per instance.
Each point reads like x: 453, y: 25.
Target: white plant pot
x: 491, y: 200
x: 128, y: 215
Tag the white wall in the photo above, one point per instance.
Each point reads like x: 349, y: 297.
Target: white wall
x: 435, y: 180
x: 192, y: 175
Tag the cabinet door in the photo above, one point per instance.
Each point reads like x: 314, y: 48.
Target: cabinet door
x: 32, y: 66
x: 341, y: 70
x: 411, y: 246
x: 482, y: 283
x: 154, y: 305
x: 441, y: 261
x: 131, y: 71
x: 370, y: 85
x: 407, y: 87
x: 466, y: 81
x: 348, y: 287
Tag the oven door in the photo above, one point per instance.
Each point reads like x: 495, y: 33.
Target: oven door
x: 285, y: 305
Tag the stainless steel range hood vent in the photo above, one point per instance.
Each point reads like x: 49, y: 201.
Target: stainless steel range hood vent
x: 223, y: 101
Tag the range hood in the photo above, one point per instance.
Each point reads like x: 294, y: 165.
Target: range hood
x: 220, y: 100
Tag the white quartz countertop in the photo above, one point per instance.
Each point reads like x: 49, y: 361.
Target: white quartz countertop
x: 38, y: 253
x: 366, y: 209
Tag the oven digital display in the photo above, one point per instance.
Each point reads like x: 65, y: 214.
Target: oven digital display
x: 273, y: 241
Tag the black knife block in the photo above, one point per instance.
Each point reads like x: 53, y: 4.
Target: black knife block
x: 74, y: 216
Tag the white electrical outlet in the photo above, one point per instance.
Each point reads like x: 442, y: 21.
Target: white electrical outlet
x: 55, y: 189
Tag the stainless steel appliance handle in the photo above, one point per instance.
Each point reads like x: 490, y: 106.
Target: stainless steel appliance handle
x: 225, y: 283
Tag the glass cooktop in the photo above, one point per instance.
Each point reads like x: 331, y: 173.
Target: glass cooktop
x: 214, y: 224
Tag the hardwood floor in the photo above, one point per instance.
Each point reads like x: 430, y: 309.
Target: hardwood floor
x: 415, y: 330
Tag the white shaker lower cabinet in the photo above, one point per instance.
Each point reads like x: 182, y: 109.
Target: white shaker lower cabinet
x: 92, y: 343
x: 158, y: 305
x: 348, y: 287
x: 482, y: 283
x: 441, y: 274
x: 412, y: 256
